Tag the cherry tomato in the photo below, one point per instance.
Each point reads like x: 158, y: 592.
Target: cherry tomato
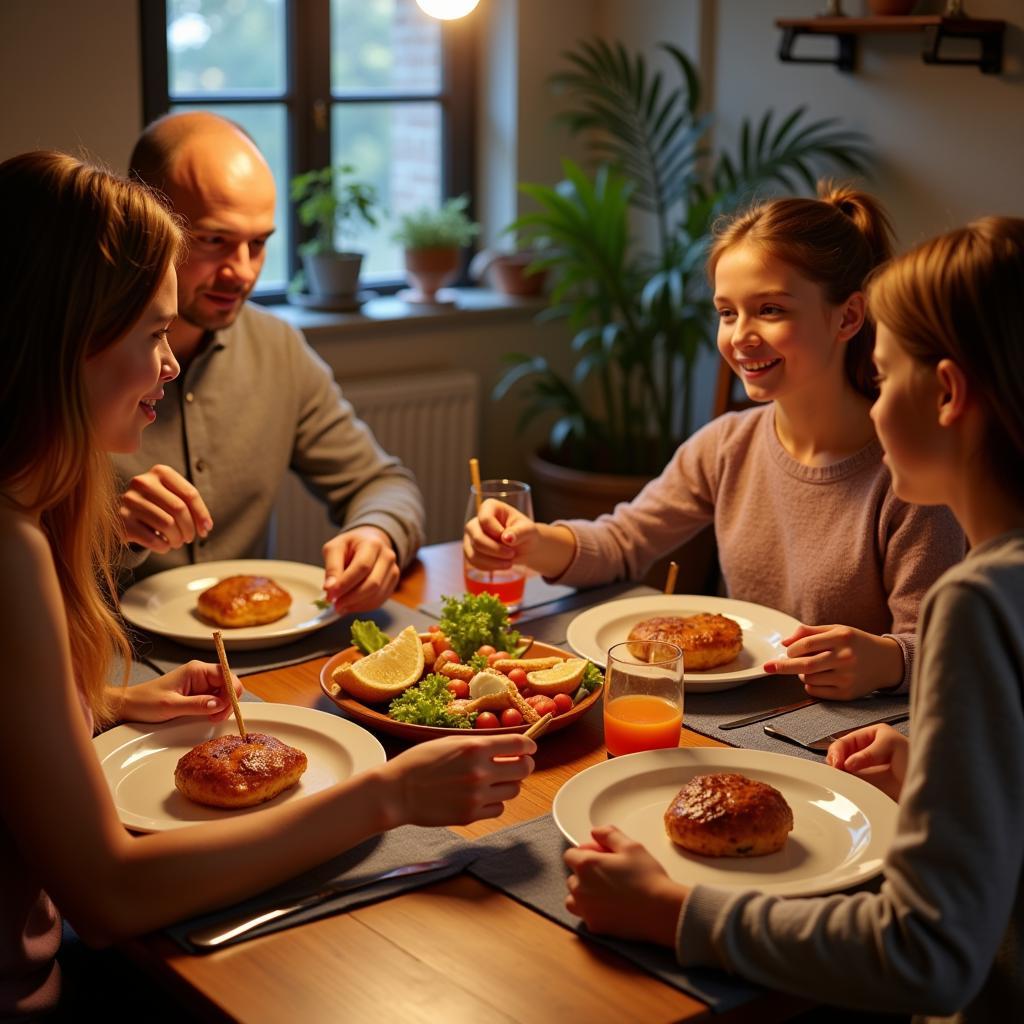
x: 518, y: 676
x: 486, y: 650
x: 452, y: 658
x: 563, y: 703
x: 486, y: 720
x: 544, y: 705
x: 511, y: 716
x: 441, y: 643
x: 533, y: 698
x: 459, y: 689
x: 434, y: 628
x: 496, y: 656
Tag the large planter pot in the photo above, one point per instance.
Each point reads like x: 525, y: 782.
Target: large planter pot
x: 560, y: 492
x: 333, y: 275
x: 430, y: 269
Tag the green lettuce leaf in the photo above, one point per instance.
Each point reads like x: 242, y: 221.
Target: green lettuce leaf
x: 368, y: 637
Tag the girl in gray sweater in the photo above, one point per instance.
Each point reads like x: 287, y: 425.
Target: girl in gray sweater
x: 943, y: 936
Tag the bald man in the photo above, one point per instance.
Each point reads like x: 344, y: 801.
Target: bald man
x: 252, y: 400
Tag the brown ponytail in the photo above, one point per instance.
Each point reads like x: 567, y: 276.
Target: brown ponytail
x: 835, y: 240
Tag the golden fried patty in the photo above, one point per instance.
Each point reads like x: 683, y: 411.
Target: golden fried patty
x: 708, y: 640
x: 230, y: 771
x: 729, y: 815
x: 244, y: 601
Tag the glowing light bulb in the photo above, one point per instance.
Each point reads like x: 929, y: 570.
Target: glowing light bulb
x: 447, y: 10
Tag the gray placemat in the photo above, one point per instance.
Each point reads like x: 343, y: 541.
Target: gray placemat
x: 164, y: 654
x: 536, y: 592
x: 525, y: 862
x: 705, y: 712
x: 552, y: 625
x: 409, y: 844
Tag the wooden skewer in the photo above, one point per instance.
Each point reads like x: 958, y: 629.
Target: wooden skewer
x: 225, y: 673
x: 670, y: 580
x: 474, y: 475
x: 538, y: 727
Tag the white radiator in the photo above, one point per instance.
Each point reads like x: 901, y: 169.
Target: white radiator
x: 430, y: 422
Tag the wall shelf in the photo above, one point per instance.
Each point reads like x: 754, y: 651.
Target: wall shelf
x: 934, y: 28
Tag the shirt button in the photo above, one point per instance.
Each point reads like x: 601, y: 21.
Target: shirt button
x: 200, y: 465
x: 190, y: 397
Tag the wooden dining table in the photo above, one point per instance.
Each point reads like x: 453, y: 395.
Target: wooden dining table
x: 453, y: 951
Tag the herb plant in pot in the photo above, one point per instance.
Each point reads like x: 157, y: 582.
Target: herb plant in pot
x: 332, y: 203
x: 640, y: 314
x: 433, y: 240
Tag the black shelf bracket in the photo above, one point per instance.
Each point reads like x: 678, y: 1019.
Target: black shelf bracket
x: 844, y: 59
x: 990, y: 60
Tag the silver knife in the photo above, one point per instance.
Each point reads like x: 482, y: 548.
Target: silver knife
x: 224, y: 931
x: 821, y: 745
x: 770, y: 713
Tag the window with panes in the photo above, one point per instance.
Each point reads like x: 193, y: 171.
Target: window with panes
x: 376, y: 84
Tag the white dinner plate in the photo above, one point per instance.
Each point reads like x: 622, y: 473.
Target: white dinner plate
x: 165, y: 603
x: 138, y: 761
x: 593, y: 631
x: 842, y: 826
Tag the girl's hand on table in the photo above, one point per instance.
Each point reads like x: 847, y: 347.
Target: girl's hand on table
x: 618, y: 888
x: 502, y: 536
x: 194, y: 689
x: 457, y: 780
x: 840, y: 662
x: 877, y: 753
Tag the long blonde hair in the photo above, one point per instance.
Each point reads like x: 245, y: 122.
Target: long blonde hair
x: 961, y: 296
x: 83, y: 256
x: 835, y: 240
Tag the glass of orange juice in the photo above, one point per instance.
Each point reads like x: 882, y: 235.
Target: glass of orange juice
x: 506, y: 584
x: 643, y: 696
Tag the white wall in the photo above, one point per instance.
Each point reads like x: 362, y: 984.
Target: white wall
x: 70, y: 77
x: 948, y: 141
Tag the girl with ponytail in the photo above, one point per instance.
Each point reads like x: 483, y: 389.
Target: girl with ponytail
x: 803, y: 507
x: 943, y: 935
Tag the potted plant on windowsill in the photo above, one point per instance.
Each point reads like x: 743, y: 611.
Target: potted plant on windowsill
x: 433, y: 240
x: 332, y: 202
x: 641, y: 316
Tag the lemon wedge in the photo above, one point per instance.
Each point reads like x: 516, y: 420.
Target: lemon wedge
x: 385, y: 673
x: 563, y: 678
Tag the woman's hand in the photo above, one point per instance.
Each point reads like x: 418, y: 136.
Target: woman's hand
x: 194, y: 689
x: 877, y: 753
x: 502, y: 536
x: 457, y: 779
x: 618, y: 888
x: 840, y: 662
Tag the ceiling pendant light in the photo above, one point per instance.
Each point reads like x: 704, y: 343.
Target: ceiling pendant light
x: 447, y: 10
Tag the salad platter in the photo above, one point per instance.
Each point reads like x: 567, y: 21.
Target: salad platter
x: 469, y: 672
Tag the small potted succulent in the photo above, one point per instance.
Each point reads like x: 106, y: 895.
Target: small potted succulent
x: 433, y: 240
x: 332, y: 202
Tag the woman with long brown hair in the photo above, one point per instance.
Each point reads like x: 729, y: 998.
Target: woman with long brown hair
x: 87, y: 291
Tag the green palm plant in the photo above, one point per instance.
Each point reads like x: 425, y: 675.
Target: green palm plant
x: 642, y: 316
